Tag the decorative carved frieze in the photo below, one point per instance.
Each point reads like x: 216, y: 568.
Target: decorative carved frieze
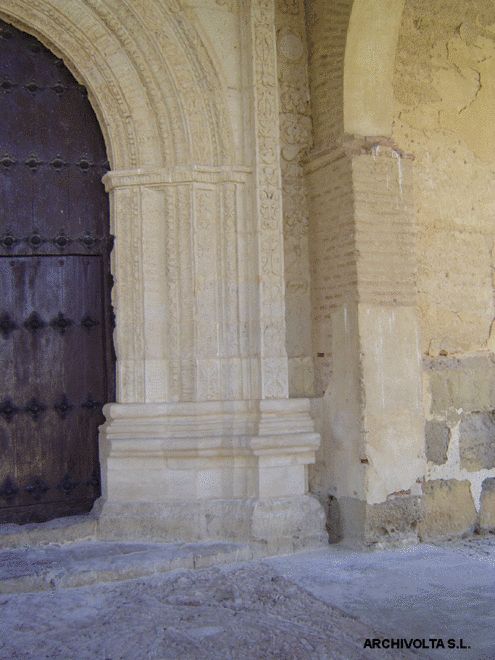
x: 295, y: 142
x: 274, y: 374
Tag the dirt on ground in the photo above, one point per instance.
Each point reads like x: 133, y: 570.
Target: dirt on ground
x: 237, y: 612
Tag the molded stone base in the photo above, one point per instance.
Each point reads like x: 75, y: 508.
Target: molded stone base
x: 217, y: 470
x: 206, y: 450
x: 271, y: 526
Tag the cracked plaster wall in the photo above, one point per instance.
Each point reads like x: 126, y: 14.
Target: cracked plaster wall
x: 444, y: 89
x: 445, y: 95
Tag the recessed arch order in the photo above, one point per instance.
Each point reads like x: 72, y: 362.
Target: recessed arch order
x: 131, y: 61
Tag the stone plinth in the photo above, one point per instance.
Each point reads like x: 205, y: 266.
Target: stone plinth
x: 232, y: 470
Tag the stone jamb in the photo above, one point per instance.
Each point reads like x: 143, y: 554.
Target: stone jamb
x: 260, y: 20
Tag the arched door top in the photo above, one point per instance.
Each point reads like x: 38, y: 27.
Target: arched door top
x: 149, y: 77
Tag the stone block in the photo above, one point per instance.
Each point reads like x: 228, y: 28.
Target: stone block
x: 269, y: 526
x: 487, y: 509
x: 393, y: 521
x: 467, y: 383
x: 448, y: 509
x: 437, y: 437
x: 60, y: 531
x: 477, y: 441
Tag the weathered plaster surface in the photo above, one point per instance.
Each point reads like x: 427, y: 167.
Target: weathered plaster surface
x: 443, y: 86
x: 369, y: 63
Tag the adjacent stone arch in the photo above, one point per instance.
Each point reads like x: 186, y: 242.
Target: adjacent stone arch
x: 352, y: 47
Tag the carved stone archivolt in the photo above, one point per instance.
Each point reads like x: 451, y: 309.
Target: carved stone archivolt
x: 176, y: 116
x: 160, y: 103
x: 165, y: 125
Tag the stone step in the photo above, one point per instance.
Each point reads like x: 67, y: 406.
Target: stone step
x: 60, y: 530
x: 54, y: 567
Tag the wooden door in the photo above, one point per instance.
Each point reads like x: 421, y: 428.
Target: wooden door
x: 56, y: 355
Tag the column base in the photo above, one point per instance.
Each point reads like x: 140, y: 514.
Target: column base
x: 270, y: 526
x: 227, y: 470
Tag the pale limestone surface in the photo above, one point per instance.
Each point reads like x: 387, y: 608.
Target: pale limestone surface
x: 448, y: 509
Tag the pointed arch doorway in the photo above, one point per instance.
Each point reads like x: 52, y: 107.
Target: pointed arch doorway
x: 56, y: 354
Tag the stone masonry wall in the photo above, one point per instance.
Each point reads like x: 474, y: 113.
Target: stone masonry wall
x: 444, y: 90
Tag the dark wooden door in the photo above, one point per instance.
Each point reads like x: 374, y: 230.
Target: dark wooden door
x: 56, y: 355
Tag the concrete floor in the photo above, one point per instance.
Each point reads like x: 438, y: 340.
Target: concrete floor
x: 426, y: 591
x: 97, y: 600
